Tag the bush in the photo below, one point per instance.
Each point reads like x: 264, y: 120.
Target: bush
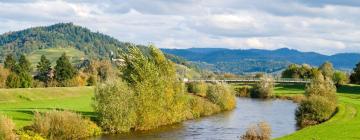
x: 7, y: 128
x: 202, y: 107
x: 261, y: 131
x: 320, y: 103
x: 314, y: 110
x: 198, y: 88
x: 321, y: 86
x: 264, y: 88
x: 29, y: 135
x: 243, y: 91
x: 63, y: 125
x: 115, y: 104
x: 4, y: 73
x: 222, y: 95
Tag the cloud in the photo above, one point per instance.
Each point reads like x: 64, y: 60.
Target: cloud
x: 325, y: 26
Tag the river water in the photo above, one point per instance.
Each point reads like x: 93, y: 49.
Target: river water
x: 227, y: 125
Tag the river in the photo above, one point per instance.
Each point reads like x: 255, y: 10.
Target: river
x: 227, y: 125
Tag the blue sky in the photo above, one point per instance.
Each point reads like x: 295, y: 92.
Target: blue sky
x: 324, y: 26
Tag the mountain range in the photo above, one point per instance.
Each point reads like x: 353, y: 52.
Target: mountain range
x: 257, y: 60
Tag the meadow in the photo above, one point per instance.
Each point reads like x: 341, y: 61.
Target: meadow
x: 54, y: 53
x: 20, y: 105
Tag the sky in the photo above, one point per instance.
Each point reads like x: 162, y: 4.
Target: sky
x: 323, y: 26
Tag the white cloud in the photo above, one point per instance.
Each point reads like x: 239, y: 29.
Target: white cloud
x: 323, y: 26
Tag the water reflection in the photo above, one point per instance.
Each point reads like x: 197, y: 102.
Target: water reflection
x: 228, y: 125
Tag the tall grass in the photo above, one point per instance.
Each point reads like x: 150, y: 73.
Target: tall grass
x: 7, y: 128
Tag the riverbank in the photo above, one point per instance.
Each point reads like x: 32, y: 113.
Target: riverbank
x: 345, y: 124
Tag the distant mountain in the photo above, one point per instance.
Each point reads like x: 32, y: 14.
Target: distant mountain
x: 257, y: 60
x: 62, y: 35
x: 78, y: 42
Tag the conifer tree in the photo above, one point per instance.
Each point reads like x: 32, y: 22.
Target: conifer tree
x: 43, y: 68
x: 64, y: 70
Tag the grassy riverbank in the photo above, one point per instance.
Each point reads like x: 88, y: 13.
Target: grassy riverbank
x: 345, y: 124
x: 19, y: 104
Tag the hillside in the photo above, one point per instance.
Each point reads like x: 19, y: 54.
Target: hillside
x: 43, y: 40
x: 256, y: 60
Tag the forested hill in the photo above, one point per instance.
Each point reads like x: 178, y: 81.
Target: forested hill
x: 252, y: 60
x: 62, y: 35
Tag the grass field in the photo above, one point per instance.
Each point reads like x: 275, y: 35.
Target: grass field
x: 344, y: 125
x: 20, y: 104
x: 54, y: 53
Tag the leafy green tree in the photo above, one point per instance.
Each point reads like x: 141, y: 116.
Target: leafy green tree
x: 10, y: 62
x: 340, y: 78
x: 43, y: 68
x: 64, y: 70
x: 327, y: 70
x: 158, y: 92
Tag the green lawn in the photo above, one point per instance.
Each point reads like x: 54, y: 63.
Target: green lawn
x: 345, y: 125
x: 20, y: 104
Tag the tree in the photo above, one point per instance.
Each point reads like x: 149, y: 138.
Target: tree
x: 23, y: 69
x: 10, y: 62
x: 24, y: 64
x: 13, y: 81
x: 64, y: 70
x: 264, y: 88
x: 327, y: 70
x: 43, y: 68
x: 4, y: 73
x: 320, y: 102
x: 340, y: 78
x: 355, y: 76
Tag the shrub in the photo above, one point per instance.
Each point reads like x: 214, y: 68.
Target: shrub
x: 63, y: 125
x: 202, y: 107
x: 38, y: 84
x: 243, y: 91
x: 115, y: 104
x: 222, y: 95
x: 29, y: 135
x: 261, y: 131
x: 313, y: 110
x: 4, y: 73
x: 7, y: 128
x: 321, y: 86
x: 264, y: 88
x: 198, y: 88
x: 340, y: 78
x: 320, y: 103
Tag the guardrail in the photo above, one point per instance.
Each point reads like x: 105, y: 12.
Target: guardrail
x: 240, y: 80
